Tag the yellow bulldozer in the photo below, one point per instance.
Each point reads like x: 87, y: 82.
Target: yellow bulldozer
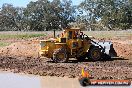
x: 73, y: 43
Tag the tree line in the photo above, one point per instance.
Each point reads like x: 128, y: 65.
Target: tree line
x: 44, y: 15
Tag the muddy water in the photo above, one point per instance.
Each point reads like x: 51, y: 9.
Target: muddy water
x: 11, y: 80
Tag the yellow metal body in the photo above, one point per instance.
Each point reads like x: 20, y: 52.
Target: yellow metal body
x: 69, y: 39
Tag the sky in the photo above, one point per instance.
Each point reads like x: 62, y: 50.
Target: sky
x: 23, y: 3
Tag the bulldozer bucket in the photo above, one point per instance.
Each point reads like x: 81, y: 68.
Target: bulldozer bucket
x: 108, y: 48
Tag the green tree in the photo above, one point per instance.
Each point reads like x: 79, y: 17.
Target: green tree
x: 11, y: 17
x: 112, y: 13
x: 46, y: 15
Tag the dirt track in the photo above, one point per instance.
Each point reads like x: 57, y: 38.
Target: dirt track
x: 23, y: 57
x: 117, y: 69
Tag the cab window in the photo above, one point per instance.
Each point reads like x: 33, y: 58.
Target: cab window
x: 70, y: 34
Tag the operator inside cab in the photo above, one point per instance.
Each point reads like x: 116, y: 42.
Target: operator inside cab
x: 62, y: 34
x: 75, y: 34
x: 81, y: 35
x: 78, y: 34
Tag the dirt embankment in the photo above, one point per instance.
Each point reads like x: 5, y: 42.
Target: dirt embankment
x: 30, y: 48
x: 21, y: 50
x: 123, y: 49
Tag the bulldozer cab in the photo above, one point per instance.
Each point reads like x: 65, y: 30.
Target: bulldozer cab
x: 69, y: 34
x: 73, y: 33
x: 73, y: 38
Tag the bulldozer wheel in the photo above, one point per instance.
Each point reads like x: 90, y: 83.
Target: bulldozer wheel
x: 60, y: 55
x: 94, y: 54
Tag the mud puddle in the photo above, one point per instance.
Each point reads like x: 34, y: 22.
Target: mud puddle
x: 11, y: 80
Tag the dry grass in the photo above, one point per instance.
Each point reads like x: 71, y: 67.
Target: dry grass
x: 96, y: 34
x: 108, y: 34
x: 2, y: 44
x: 20, y: 35
x: 26, y: 35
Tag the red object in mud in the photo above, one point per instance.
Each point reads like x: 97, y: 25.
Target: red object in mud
x: 85, y: 80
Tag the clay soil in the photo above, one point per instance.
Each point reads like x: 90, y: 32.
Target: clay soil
x: 22, y: 57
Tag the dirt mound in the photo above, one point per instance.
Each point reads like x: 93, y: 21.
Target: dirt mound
x: 30, y: 48
x: 123, y: 48
x: 21, y: 49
